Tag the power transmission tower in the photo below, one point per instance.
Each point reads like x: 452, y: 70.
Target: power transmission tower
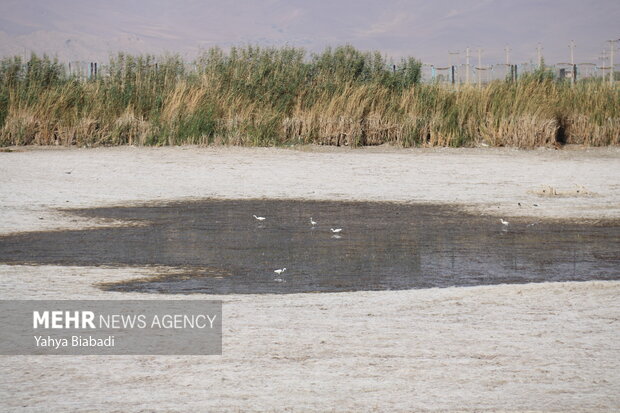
x: 467, y: 64
x: 507, y: 66
x: 539, y: 54
x: 573, y: 68
x: 612, y: 46
x: 479, y: 68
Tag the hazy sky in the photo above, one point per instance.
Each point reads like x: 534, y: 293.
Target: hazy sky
x: 428, y: 30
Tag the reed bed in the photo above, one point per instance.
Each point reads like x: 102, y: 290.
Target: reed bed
x: 277, y: 96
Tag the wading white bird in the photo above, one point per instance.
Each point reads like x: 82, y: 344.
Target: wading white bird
x: 503, y: 222
x: 336, y: 230
x: 259, y: 218
x: 280, y: 271
x: 313, y: 222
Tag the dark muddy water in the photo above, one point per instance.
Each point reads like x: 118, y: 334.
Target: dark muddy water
x: 223, y: 249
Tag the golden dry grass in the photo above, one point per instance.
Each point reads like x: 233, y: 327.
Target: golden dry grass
x: 274, y: 97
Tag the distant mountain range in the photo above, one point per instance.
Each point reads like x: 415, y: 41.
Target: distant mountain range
x: 92, y: 30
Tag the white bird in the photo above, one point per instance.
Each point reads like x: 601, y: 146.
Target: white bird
x: 259, y: 218
x: 280, y: 271
x: 336, y: 230
x: 313, y: 222
x: 503, y: 222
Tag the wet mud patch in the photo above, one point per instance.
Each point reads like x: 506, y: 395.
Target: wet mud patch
x: 219, y: 247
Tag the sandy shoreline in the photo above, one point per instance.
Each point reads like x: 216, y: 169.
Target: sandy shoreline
x: 487, y: 180
x: 542, y: 347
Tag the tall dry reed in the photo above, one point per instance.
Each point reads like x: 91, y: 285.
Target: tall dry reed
x: 276, y: 96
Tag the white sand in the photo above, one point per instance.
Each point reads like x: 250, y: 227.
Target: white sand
x: 541, y: 347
